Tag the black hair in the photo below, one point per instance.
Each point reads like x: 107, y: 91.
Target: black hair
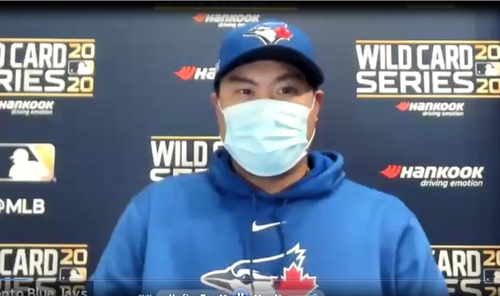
x: 217, y: 88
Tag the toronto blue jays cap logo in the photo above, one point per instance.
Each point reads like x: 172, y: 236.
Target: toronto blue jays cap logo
x: 270, y: 32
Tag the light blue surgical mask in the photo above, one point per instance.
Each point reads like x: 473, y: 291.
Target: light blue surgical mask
x: 267, y: 137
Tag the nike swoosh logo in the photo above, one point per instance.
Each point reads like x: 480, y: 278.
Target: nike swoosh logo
x: 256, y: 228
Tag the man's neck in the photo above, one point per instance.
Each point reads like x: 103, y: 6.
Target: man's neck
x: 276, y: 184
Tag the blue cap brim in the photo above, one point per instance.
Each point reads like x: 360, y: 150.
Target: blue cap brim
x: 279, y: 53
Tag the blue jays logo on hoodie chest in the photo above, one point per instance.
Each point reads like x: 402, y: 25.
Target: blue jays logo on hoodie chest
x: 280, y: 273
x: 280, y: 237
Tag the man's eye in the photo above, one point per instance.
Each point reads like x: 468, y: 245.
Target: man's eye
x: 288, y: 90
x: 246, y: 279
x: 245, y: 91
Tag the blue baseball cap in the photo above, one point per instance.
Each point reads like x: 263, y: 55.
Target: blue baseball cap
x: 268, y: 40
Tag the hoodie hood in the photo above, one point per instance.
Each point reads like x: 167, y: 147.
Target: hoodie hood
x: 326, y: 173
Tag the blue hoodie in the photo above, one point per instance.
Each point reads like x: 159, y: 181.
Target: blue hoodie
x: 213, y: 231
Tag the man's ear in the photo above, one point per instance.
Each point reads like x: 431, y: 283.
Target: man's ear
x: 213, y: 99
x: 319, y: 101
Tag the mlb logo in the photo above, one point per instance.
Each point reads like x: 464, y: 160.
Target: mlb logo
x: 491, y: 276
x: 27, y: 162
x: 488, y: 69
x: 73, y: 274
x: 80, y: 67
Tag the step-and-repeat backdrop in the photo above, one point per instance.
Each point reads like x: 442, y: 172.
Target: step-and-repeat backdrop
x: 96, y: 105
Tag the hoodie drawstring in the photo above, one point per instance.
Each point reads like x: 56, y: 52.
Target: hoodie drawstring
x: 278, y: 213
x: 250, y: 238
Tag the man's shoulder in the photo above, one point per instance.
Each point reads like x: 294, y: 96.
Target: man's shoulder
x: 391, y: 205
x: 176, y: 188
x: 180, y: 181
x: 384, y: 211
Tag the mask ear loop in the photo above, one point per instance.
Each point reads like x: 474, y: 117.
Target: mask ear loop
x: 220, y: 109
x: 313, y: 104
x: 314, y: 131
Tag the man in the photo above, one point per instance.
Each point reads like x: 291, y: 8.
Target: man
x: 496, y: 277
x: 267, y: 216
x: 23, y: 169
x: 491, y: 70
x: 75, y: 276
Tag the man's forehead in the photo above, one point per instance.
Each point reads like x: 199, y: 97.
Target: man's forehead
x: 272, y: 69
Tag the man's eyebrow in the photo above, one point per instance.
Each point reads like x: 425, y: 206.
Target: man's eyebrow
x: 284, y: 77
x: 290, y: 76
x: 235, y: 78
